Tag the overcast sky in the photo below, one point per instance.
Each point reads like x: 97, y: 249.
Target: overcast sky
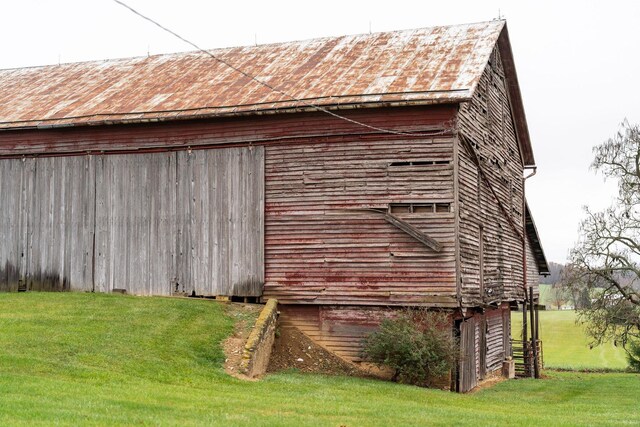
x: 578, y: 63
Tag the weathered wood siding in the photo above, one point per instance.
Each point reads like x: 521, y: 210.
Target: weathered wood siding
x: 484, y: 345
x: 255, y: 130
x: 533, y: 274
x: 13, y: 200
x: 153, y: 224
x: 46, y: 224
x: 321, y: 171
x: 339, y: 329
x: 468, y: 365
x: 490, y: 203
x: 325, y: 246
x: 495, y: 349
x: 506, y: 330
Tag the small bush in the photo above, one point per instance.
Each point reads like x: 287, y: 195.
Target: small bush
x: 418, y: 344
x: 633, y: 356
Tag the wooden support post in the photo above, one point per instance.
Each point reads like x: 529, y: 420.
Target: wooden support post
x: 534, y: 338
x: 525, y: 335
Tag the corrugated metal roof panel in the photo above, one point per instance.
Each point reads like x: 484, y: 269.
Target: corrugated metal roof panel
x: 430, y: 65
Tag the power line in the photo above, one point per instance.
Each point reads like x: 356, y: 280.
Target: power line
x: 271, y: 87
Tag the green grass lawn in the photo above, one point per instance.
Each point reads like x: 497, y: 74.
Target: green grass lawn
x: 566, y: 346
x: 89, y: 359
x: 545, y: 294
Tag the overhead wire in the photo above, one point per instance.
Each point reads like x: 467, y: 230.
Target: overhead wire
x: 274, y: 88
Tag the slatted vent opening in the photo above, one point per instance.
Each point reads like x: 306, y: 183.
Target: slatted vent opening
x: 418, y: 208
x: 420, y: 163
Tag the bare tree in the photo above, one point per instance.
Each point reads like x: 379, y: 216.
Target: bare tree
x: 605, y: 261
x: 559, y: 295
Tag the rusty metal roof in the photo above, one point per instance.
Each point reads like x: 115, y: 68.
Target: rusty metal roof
x: 422, y: 66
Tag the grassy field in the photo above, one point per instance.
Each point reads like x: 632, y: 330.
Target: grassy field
x: 85, y: 359
x: 545, y: 295
x: 566, y: 345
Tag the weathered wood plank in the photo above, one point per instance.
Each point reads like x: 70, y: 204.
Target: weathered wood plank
x: 414, y: 232
x: 491, y: 199
x: 151, y: 223
x: 318, y: 233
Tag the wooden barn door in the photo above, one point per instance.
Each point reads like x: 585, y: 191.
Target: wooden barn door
x: 221, y: 199
x: 181, y: 222
x: 152, y: 223
x: 467, y: 371
x: 46, y: 223
x: 136, y: 223
x: 14, y: 188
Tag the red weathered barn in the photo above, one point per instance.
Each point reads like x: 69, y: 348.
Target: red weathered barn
x: 351, y: 176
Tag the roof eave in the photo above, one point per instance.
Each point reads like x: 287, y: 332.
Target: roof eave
x: 213, y: 113
x: 536, y: 245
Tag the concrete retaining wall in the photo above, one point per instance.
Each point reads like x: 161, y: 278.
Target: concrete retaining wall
x: 257, y: 350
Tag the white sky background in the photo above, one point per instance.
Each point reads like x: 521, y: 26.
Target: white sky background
x: 578, y: 64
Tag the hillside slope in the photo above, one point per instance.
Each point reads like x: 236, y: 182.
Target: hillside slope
x: 90, y: 359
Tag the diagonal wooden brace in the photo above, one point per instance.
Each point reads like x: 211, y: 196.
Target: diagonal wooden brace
x: 413, y: 232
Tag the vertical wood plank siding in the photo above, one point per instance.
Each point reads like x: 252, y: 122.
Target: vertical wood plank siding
x: 467, y: 371
x: 13, y: 228
x: 494, y: 340
x: 487, y: 122
x: 46, y: 200
x: 153, y: 224
x: 324, y: 247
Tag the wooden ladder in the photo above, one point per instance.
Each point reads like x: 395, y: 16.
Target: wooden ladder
x: 522, y: 354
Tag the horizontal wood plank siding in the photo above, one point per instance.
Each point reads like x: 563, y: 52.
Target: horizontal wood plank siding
x: 323, y: 243
x: 184, y: 134
x: 339, y: 329
x: 487, y: 124
x: 533, y: 275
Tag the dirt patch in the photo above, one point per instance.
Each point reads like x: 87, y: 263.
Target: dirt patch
x: 245, y: 315
x: 294, y: 350
x: 489, y: 382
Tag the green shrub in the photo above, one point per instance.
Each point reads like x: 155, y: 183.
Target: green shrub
x: 633, y: 356
x: 418, y: 344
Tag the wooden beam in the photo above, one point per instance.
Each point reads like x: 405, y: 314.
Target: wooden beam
x: 413, y: 232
